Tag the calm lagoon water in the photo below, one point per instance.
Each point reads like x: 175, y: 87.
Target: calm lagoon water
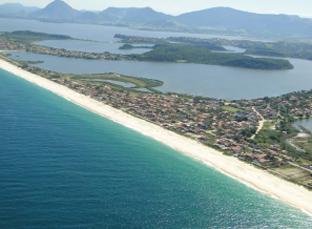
x: 104, y: 35
x: 92, y: 46
x: 305, y: 123
x: 64, y: 167
x: 195, y: 79
x: 93, y: 32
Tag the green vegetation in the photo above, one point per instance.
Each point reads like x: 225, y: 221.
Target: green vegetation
x: 130, y: 46
x: 203, y: 55
x: 109, y: 78
x: 294, y: 174
x: 139, y: 40
x: 30, y: 37
x: 197, y: 42
x: 291, y: 49
x: 269, y: 136
x: 281, y: 49
x: 305, y: 143
x: 248, y: 132
x: 231, y: 109
x: 127, y: 47
x: 188, y: 50
x: 299, y: 148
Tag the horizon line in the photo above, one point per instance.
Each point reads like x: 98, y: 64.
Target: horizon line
x: 157, y: 10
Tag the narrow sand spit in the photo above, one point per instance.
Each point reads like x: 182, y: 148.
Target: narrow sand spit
x: 255, y: 178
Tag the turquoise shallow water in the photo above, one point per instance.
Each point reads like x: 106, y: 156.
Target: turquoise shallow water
x: 64, y: 167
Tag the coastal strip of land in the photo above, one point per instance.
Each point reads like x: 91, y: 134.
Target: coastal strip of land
x: 260, y: 180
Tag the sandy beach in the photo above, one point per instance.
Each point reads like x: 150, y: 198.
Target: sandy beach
x: 251, y: 176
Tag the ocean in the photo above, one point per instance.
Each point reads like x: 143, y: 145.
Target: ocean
x: 64, y: 167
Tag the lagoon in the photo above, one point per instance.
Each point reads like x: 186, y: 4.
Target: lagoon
x: 92, y: 46
x: 95, y: 32
x: 195, y: 79
x: 97, y: 38
x: 307, y: 123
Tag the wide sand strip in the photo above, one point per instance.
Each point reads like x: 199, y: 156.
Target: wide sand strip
x: 292, y: 194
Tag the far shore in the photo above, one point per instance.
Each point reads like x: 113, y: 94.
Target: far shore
x: 255, y: 178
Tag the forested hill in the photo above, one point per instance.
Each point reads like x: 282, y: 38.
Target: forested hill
x: 203, y: 55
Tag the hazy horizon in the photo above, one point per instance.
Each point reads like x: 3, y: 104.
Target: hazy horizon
x: 292, y: 7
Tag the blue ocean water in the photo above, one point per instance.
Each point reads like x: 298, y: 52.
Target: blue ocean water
x: 64, y: 167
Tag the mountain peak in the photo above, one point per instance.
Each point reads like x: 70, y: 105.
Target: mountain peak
x: 134, y: 15
x: 59, y: 4
x: 57, y: 9
x: 129, y: 9
x: 217, y: 10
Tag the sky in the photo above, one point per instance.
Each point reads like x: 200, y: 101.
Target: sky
x: 294, y: 7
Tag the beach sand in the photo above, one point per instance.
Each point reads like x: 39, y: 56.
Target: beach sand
x: 260, y: 180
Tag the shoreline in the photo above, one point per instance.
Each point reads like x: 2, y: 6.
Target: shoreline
x: 257, y: 179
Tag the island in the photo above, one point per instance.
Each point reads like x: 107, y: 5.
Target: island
x: 184, y: 53
x: 195, y: 52
x: 130, y: 46
x: 289, y: 49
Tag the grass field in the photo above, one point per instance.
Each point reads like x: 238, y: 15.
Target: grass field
x: 294, y: 174
x: 138, y: 83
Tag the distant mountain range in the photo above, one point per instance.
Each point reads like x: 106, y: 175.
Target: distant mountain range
x: 220, y: 19
x: 16, y: 10
x: 236, y: 20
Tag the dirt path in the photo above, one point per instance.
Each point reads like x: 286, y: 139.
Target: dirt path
x: 261, y: 122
